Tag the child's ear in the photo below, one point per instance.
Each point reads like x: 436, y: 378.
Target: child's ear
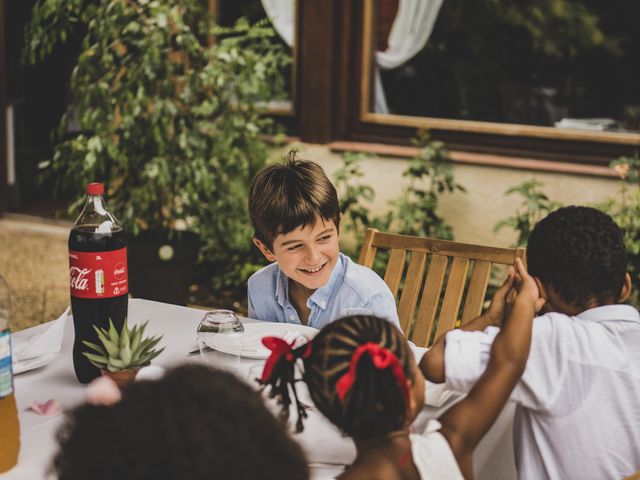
x: 626, y: 288
x: 543, y: 290
x: 264, y: 249
x: 544, y: 293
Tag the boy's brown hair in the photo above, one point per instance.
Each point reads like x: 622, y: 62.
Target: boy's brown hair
x: 289, y: 195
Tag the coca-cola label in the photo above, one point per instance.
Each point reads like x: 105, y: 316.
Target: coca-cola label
x: 98, y: 274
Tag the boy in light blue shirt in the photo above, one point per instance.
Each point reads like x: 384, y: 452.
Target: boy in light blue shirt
x: 295, y: 212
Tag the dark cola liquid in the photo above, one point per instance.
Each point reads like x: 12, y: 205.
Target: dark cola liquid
x: 94, y: 311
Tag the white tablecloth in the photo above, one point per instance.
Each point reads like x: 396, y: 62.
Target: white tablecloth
x: 321, y: 441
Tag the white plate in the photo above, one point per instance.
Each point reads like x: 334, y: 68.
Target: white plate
x: 249, y: 343
x: 32, y: 363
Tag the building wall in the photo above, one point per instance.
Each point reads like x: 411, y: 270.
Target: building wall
x: 472, y: 214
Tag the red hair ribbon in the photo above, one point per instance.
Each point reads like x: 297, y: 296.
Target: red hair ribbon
x: 279, y: 349
x: 382, y: 358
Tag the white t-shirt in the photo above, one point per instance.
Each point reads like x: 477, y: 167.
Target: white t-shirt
x: 432, y: 455
x: 578, y: 402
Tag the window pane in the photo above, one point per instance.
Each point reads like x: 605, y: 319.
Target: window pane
x: 541, y: 62
x: 283, y: 14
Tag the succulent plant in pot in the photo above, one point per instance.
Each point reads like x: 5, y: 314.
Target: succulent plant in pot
x: 121, y: 354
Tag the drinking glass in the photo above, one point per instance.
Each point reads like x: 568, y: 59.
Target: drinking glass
x: 220, y: 335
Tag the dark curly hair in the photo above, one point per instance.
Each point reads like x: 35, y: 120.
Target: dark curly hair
x: 193, y: 423
x: 579, y: 251
x: 375, y: 405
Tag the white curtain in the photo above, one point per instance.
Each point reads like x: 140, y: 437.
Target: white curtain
x: 280, y: 12
x: 409, y: 34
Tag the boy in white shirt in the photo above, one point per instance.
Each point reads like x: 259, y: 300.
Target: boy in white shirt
x: 578, y: 402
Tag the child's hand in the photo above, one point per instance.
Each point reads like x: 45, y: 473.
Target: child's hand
x: 498, y: 307
x: 527, y: 287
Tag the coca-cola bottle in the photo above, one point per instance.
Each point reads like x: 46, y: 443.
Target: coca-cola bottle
x: 98, y: 276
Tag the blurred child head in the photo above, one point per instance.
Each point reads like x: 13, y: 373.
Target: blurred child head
x: 578, y: 255
x: 295, y: 212
x: 379, y: 397
x: 195, y: 422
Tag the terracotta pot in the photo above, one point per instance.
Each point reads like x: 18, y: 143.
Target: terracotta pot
x: 121, y: 377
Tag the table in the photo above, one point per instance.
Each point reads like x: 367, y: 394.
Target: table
x: 321, y: 441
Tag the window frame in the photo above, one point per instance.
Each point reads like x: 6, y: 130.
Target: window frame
x: 334, y: 107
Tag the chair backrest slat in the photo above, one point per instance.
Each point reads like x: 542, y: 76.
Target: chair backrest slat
x: 476, y: 292
x: 395, y: 268
x: 368, y: 251
x: 446, y: 260
x: 430, y: 300
x: 452, y: 295
x: 411, y: 289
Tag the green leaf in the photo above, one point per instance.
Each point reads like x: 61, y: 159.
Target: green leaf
x: 114, y: 336
x: 116, y: 363
x: 96, y: 360
x: 95, y: 347
x: 125, y: 354
x: 124, y: 337
x: 112, y: 348
x: 149, y: 343
x: 136, y: 334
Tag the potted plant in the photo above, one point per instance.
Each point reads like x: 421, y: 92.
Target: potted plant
x: 170, y: 121
x: 121, y: 354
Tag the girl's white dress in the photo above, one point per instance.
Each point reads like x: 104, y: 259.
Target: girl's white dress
x: 432, y: 454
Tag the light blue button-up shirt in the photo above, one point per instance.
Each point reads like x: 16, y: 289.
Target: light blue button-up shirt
x: 351, y: 290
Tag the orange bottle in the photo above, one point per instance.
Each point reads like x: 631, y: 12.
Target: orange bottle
x: 9, y: 425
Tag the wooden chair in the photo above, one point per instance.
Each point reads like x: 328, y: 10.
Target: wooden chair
x: 446, y: 260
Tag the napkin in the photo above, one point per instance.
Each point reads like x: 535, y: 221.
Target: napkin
x: 40, y: 348
x: 50, y: 407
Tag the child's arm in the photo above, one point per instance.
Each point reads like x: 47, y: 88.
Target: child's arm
x: 432, y: 363
x: 464, y: 424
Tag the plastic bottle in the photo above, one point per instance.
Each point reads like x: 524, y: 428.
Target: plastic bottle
x: 98, y: 275
x: 9, y: 424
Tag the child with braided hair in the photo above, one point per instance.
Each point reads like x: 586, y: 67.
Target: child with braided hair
x: 362, y: 376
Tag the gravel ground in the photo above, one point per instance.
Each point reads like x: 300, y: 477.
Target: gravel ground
x: 34, y: 263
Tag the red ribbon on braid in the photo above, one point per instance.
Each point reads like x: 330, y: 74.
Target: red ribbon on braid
x: 280, y: 349
x: 382, y: 358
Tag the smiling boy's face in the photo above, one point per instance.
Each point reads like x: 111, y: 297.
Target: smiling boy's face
x: 306, y: 255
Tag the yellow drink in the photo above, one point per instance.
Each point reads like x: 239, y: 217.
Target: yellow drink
x: 9, y: 426
x: 9, y: 433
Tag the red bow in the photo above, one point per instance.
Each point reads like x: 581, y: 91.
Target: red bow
x: 279, y: 348
x: 382, y: 358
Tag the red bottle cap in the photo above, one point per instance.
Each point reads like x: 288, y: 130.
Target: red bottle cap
x: 95, y: 188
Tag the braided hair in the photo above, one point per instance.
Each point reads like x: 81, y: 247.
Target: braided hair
x: 375, y: 404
